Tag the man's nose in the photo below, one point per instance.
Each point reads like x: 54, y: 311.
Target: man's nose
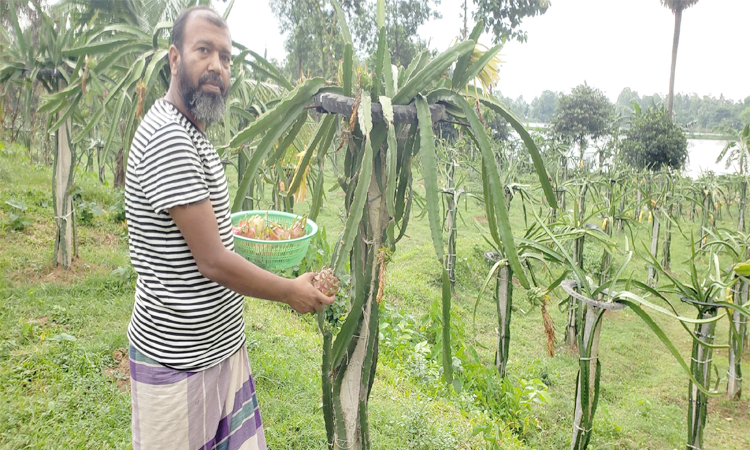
x: 214, y: 63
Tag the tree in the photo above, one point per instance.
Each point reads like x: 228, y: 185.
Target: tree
x: 543, y: 108
x: 497, y: 126
x: 315, y: 47
x: 402, y: 21
x: 503, y: 17
x: 623, y: 105
x: 15, y: 97
x: 584, y: 114
x: 677, y: 6
x: 745, y: 115
x: 654, y: 141
x: 519, y: 106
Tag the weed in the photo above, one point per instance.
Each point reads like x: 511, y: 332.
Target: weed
x: 496, y: 434
x: 117, y: 210
x: 422, y: 432
x: 16, y: 220
x: 123, y: 278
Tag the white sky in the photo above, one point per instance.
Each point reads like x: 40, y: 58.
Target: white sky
x: 610, y: 44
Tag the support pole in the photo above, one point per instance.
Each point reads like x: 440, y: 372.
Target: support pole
x: 589, y: 371
x: 737, y: 330
x: 504, y: 309
x: 700, y: 367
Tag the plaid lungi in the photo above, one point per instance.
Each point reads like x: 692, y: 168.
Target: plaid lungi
x: 213, y: 409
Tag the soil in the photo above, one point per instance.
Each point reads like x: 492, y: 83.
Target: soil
x: 121, y: 372
x: 77, y: 271
x: 729, y: 409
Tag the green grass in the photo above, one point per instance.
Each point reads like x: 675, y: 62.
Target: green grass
x: 63, y: 394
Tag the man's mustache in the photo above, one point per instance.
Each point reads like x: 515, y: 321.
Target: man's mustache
x: 213, y: 79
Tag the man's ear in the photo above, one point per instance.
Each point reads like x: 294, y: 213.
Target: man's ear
x: 174, y: 59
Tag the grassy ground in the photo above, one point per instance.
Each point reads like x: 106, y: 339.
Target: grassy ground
x: 63, y: 370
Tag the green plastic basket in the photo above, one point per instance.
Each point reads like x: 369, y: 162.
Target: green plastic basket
x: 273, y: 255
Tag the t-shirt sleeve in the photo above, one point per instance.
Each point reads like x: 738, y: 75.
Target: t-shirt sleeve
x: 170, y: 171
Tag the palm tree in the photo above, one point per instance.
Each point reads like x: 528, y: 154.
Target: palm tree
x: 677, y: 6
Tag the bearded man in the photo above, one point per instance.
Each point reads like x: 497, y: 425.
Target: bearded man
x: 191, y: 383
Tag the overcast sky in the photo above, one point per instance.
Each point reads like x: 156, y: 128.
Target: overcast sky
x: 610, y: 44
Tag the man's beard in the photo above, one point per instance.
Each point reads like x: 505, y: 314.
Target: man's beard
x: 206, y: 107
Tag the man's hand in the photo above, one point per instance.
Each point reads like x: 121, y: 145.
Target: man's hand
x: 304, y: 297
x: 197, y: 223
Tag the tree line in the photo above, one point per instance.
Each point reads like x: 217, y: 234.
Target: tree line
x: 315, y: 48
x: 693, y: 112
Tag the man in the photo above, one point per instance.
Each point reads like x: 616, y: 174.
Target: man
x: 190, y: 378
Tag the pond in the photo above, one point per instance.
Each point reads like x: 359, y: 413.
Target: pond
x: 702, y: 154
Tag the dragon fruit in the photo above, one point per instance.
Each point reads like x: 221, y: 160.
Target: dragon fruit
x: 250, y: 228
x: 275, y: 232
x: 326, y: 281
x: 298, y: 228
x: 259, y: 227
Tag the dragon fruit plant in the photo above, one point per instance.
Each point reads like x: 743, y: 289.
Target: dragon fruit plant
x: 382, y: 123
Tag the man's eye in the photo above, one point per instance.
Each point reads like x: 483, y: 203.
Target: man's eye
x: 203, y: 50
x: 225, y: 58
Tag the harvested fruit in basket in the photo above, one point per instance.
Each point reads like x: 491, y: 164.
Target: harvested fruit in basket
x: 326, y: 281
x: 258, y: 227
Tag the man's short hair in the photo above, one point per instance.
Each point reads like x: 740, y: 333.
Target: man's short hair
x: 178, y: 28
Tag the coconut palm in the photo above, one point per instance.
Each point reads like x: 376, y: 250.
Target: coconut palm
x: 677, y: 6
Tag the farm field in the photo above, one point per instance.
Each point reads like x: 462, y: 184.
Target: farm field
x: 63, y: 367
x: 511, y: 255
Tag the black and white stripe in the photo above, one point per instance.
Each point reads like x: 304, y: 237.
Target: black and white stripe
x: 180, y: 318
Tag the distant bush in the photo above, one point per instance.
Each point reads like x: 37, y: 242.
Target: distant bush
x: 654, y: 141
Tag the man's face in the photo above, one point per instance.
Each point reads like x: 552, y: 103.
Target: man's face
x: 203, y: 70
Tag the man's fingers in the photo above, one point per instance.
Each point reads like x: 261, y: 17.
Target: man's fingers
x: 305, y: 310
x: 328, y: 300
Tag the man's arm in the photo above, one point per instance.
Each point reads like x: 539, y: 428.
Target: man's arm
x: 197, y: 223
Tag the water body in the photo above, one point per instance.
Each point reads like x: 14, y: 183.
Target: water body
x: 702, y: 154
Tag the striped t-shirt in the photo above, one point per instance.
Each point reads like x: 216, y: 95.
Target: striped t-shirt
x: 181, y: 319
